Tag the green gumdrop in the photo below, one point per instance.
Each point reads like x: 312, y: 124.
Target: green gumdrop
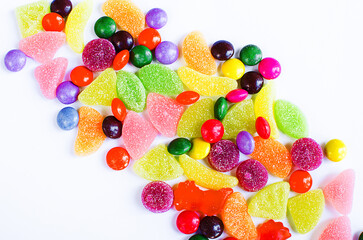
x: 101, y: 91
x: 241, y: 117
x: 220, y: 108
x: 306, y: 210
x: 131, y: 91
x: 290, y: 120
x: 191, y: 122
x: 158, y: 165
x: 160, y: 79
x: 270, y: 202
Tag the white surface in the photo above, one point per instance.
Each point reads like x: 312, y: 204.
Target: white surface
x: 46, y: 192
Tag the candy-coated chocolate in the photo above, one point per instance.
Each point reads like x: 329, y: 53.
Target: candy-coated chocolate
x: 188, y: 222
x: 53, y: 22
x: 62, y: 7
x: 200, y: 148
x: 237, y: 95
x: 250, y: 55
x: 300, y: 181
x: 149, y: 38
x: 166, y: 52
x: 187, y: 97
x: 112, y: 127
x: 118, y: 109
x: 121, y: 59
x: 67, y: 118
x: 211, y: 226
x: 252, y: 82
x: 67, y: 92
x: 198, y: 237
x: 263, y: 128
x: 269, y: 68
x: 122, y: 40
x: 222, y: 50
x: 81, y: 76
x: 156, y: 18
x: 105, y: 27
x: 117, y: 158
x: 335, y: 150
x: 140, y: 56
x: 245, y: 142
x: 233, y: 68
x: 15, y: 60
x: 179, y: 146
x: 212, y: 130
x: 220, y: 108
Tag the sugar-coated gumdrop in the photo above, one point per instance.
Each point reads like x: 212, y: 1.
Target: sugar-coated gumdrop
x: 306, y: 154
x: 271, y: 230
x: 270, y: 202
x: 193, y: 118
x: 200, y: 148
x: 50, y: 75
x: 337, y: 229
x: 240, y: 117
x: 156, y: 18
x: 211, y: 226
x: 138, y: 134
x: 164, y: 113
x: 76, y: 23
x: 212, y: 130
x: 158, y: 165
x: 206, y: 85
x: 15, y: 60
x: 273, y: 155
x: 204, y: 176
x: 335, y: 150
x: 160, y: 79
x: 90, y: 135
x: 224, y: 156
x: 306, y: 209
x: 187, y: 97
x: 101, y: 91
x: 42, y: 46
x: 236, y: 219
x: 131, y: 91
x: 339, y: 192
x: 157, y: 197
x: 127, y: 15
x: 98, y: 55
x: 188, y: 222
x: 252, y: 175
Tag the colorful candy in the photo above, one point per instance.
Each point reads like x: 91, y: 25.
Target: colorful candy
x: 157, y: 197
x: 211, y: 226
x: 117, y: 158
x: 335, y: 150
x: 149, y: 38
x: 187, y: 97
x: 122, y: 40
x: 300, y: 181
x: 120, y: 60
x: 166, y: 52
x: 118, y: 109
x: 220, y: 108
x: 252, y: 175
x: 337, y: 229
x: 200, y: 148
x: 140, y: 56
x: 306, y: 154
x: 272, y: 230
x: 222, y: 50
x: 212, y: 130
x: 156, y: 18
x: 188, y: 222
x: 81, y: 76
x: 252, y: 82
x: 98, y: 55
x: 198, y: 237
x: 67, y: 118
x: 62, y: 7
x: 233, y: 68
x: 105, y: 27
x: 269, y: 68
x: 250, y: 55
x: 245, y: 142
x: 179, y: 146
x: 112, y: 127
x: 223, y: 156
x: 237, y: 95
x: 263, y: 128
x: 15, y: 60
x: 67, y: 92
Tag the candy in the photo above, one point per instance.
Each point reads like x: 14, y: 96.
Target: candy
x: 76, y: 23
x: 206, y: 85
x: 50, y: 75
x: 166, y: 52
x: 81, y: 76
x: 179, y: 146
x: 156, y: 18
x: 98, y: 55
x: 105, y: 27
x: 273, y: 155
x: 101, y: 91
x: 245, y: 142
x: 200, y: 148
x: 62, y: 7
x: 138, y: 134
x: 118, y: 109
x: 187, y: 97
x: 223, y: 156
x: 252, y: 82
x: 117, y: 158
x: 252, y: 175
x: 240, y: 117
x: 290, y: 120
x: 90, y: 135
x: 15, y: 60
x: 237, y: 95
x: 67, y: 92
x: 339, y: 192
x: 188, y: 222
x: 212, y: 130
x: 149, y: 38
x: 250, y: 55
x: 306, y: 154
x: 157, y: 197
x: 112, y: 127
x: 300, y: 181
x: 220, y: 108
x: 140, y: 56
x: 120, y: 60
x: 42, y: 46
x: 197, y: 55
x: 67, y: 118
x: 272, y: 230
x: 160, y: 79
x: 222, y: 50
x: 233, y: 68
x: 53, y: 22
x: 211, y: 226
x: 198, y: 237
x: 236, y: 219
x: 122, y: 40
x: 131, y: 91
x: 337, y: 229
x: 306, y: 209
x: 263, y: 128
x: 269, y: 68
x: 204, y: 176
x: 361, y: 236
x: 127, y: 16
x: 335, y: 150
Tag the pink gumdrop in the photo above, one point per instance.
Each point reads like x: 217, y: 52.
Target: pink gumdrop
x: 98, y: 55
x: 269, y: 68
x: 164, y: 113
x: 306, y: 154
x: 339, y: 192
x: 237, y: 95
x: 337, y: 229
x: 157, y: 197
x: 50, y: 75
x: 252, y: 175
x: 224, y: 156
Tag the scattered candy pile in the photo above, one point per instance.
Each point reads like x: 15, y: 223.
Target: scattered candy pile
x: 216, y: 129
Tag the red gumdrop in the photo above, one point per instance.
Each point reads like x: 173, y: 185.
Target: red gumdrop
x: 188, y: 222
x: 300, y: 181
x: 272, y: 230
x: 212, y: 130
x: 263, y: 128
x: 121, y: 59
x: 187, y: 97
x: 118, y: 109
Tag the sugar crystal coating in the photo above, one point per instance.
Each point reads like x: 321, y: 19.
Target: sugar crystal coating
x: 306, y: 154
x: 98, y: 55
x: 337, y: 229
x: 224, y: 156
x: 157, y: 197
x: 252, y: 175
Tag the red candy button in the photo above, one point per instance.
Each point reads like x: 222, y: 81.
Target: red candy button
x: 188, y: 222
x: 212, y: 130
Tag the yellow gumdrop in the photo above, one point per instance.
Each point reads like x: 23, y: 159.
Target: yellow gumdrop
x: 233, y: 68
x: 200, y: 148
x: 335, y: 150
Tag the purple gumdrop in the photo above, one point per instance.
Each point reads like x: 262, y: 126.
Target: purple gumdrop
x: 15, y: 60
x: 67, y: 92
x: 156, y: 18
x: 224, y: 156
x: 166, y: 52
x: 252, y: 175
x: 157, y: 197
x: 245, y: 142
x: 98, y: 55
x: 306, y: 154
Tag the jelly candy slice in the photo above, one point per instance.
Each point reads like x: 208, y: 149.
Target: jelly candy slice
x: 236, y: 219
x: 193, y: 118
x: 337, y: 229
x: 270, y: 202
x: 131, y: 91
x: 76, y: 23
x: 160, y: 79
x: 138, y: 134
x: 50, y: 75
x: 197, y: 54
x: 164, y: 113
x: 272, y: 230
x: 42, y: 46
x: 101, y: 91
x: 158, y: 165
x: 90, y: 135
x: 206, y: 85
x: 306, y: 210
x: 273, y: 155
x: 30, y: 17
x: 204, y: 176
x: 339, y: 192
x: 241, y: 117
x: 157, y: 197
x: 127, y: 16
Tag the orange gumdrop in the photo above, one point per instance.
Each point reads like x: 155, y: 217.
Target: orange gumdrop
x: 90, y: 135
x: 273, y: 155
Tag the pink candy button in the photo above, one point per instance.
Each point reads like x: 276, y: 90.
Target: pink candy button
x: 269, y: 68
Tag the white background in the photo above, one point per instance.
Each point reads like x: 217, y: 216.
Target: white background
x: 46, y: 192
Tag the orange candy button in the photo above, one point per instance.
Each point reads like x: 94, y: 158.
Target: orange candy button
x: 121, y: 59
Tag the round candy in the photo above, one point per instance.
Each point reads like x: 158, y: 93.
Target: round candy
x: 252, y: 82
x: 300, y: 181
x: 53, y: 22
x: 62, y: 7
x: 200, y: 148
x: 252, y: 175
x: 105, y: 27
x: 98, y: 55
x: 157, y: 197
x: 263, y: 128
x: 179, y: 146
x: 156, y: 18
x: 166, y: 52
x: 220, y: 108
x: 250, y: 55
x: 67, y: 118
x: 237, y: 95
x: 361, y: 236
x: 222, y: 50
x: 335, y: 150
x: 223, y: 156
x: 198, y: 237
x: 212, y: 130
x: 117, y: 158
x: 141, y: 56
x: 306, y: 154
x: 81, y: 76
x: 230, y: 238
x: 269, y: 68
x: 122, y: 40
x: 15, y: 60
x: 188, y: 222
x: 245, y: 142
x: 121, y: 59
x: 67, y: 92
x: 233, y: 68
x: 112, y: 127
x: 149, y: 38
x: 211, y: 226
x: 187, y: 97
x: 118, y: 109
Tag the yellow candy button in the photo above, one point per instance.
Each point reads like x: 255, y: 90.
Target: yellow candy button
x: 200, y: 149
x: 233, y: 68
x: 335, y: 150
